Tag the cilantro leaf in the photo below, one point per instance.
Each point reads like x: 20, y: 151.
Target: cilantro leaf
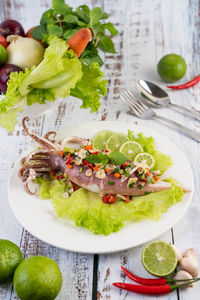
x: 56, y: 30
x: 95, y: 15
x: 61, y: 20
x: 110, y: 27
x: 97, y: 158
x: 106, y: 44
x: 117, y: 158
x: 90, y: 55
x: 60, y: 7
x: 38, y: 32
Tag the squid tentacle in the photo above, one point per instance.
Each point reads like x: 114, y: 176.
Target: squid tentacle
x: 51, y: 134
x: 42, y: 141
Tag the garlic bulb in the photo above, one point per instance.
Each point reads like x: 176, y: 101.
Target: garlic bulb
x: 189, y: 262
x: 24, y: 52
x: 183, y: 275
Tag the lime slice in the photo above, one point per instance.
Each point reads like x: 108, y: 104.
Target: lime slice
x: 100, y: 139
x: 145, y: 158
x: 115, y: 141
x: 159, y: 258
x: 130, y: 149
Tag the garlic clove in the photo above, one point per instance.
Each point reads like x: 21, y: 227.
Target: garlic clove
x: 178, y: 252
x: 189, y: 262
x: 182, y: 275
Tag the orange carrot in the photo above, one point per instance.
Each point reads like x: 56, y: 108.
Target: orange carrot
x: 69, y: 166
x: 96, y: 168
x: 60, y: 153
x: 88, y: 147
x: 107, y: 170
x: 117, y: 175
x: 79, y: 41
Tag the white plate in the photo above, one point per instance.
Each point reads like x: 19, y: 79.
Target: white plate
x: 37, y: 215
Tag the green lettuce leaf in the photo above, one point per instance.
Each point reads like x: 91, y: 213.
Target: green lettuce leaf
x: 88, y: 210
x: 51, y: 65
x: 90, y: 87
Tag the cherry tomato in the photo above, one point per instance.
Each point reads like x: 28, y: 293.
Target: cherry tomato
x: 3, y: 41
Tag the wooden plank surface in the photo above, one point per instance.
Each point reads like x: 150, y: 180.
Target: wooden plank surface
x: 148, y: 29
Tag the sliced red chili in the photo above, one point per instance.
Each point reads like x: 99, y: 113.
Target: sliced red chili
x: 69, y: 161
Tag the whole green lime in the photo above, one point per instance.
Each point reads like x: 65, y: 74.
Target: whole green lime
x: 171, y: 67
x: 37, y: 278
x: 3, y: 54
x: 10, y: 258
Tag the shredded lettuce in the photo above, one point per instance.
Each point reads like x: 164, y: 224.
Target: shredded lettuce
x: 88, y: 210
x: 162, y: 161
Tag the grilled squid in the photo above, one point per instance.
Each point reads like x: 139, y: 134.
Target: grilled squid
x: 93, y: 177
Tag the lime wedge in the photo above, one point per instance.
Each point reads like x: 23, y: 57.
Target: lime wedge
x: 100, y: 139
x: 130, y: 149
x: 159, y: 258
x: 145, y: 158
x: 115, y: 141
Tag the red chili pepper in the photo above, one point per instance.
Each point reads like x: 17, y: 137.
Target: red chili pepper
x: 125, y: 164
x: 145, y: 281
x: 186, y: 85
x: 152, y: 281
x: 151, y: 290
x: 110, y: 199
x: 95, y: 152
x: 69, y: 160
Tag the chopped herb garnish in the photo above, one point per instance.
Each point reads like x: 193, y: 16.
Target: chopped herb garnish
x: 131, y: 184
x: 142, y: 176
x: 140, y: 187
x: 81, y: 169
x: 141, y: 172
x: 69, y: 150
x: 127, y: 174
x: 147, y: 193
x: 121, y: 171
x: 111, y: 182
x: 152, y: 180
x: 116, y: 170
x: 148, y: 179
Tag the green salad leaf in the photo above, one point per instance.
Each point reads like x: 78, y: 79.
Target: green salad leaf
x: 60, y: 74
x: 90, y: 87
x: 88, y: 210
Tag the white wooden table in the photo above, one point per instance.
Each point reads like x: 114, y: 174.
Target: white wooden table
x: 148, y: 29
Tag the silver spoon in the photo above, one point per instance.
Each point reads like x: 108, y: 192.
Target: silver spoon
x: 159, y: 97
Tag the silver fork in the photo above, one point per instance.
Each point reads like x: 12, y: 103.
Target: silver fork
x: 144, y: 112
